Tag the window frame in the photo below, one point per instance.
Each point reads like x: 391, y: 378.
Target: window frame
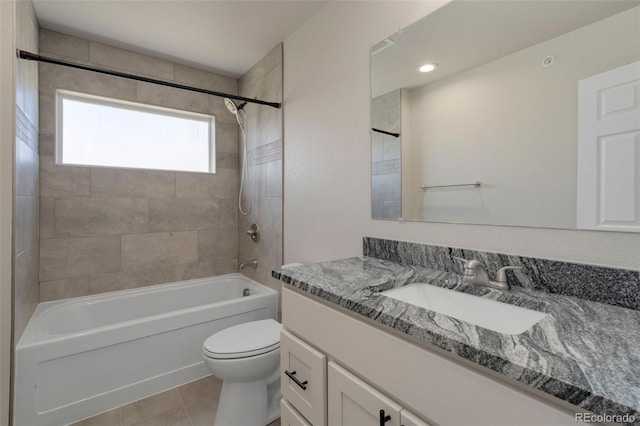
x: 61, y: 95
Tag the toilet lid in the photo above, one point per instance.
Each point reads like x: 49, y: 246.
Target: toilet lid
x: 244, y: 340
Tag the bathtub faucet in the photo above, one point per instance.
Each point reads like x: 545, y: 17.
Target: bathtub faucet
x: 251, y: 263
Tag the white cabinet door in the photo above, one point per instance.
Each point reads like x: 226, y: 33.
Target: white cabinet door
x: 407, y: 418
x: 354, y: 403
x: 289, y: 416
x: 303, y: 378
x: 609, y: 150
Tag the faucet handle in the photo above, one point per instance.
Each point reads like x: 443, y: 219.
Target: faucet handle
x: 469, y: 265
x: 501, y: 275
x: 460, y: 259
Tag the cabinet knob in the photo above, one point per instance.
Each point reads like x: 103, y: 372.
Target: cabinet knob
x: 292, y: 376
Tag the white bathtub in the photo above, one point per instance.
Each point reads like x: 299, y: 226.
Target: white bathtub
x: 82, y: 356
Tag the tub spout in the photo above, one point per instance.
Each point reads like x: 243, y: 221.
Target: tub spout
x: 251, y: 263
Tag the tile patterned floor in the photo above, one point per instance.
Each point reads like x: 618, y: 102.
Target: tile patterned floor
x: 193, y: 404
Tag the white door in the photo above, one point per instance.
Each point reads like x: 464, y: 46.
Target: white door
x: 354, y: 403
x: 609, y: 150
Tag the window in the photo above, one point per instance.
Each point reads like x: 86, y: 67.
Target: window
x: 95, y: 131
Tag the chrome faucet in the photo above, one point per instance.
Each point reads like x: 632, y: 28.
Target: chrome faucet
x: 475, y: 273
x: 251, y: 263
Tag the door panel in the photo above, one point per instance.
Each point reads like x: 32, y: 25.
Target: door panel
x: 609, y: 150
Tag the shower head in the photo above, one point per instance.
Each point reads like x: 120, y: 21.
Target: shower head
x: 232, y: 107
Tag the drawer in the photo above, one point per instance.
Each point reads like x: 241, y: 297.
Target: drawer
x: 304, y: 378
x: 289, y: 416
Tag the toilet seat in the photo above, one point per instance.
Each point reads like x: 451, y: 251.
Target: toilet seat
x: 244, y: 340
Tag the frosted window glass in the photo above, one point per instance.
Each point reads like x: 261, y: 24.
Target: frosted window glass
x: 105, y: 132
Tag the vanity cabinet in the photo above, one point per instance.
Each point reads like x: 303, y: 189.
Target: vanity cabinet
x: 353, y: 369
x: 353, y: 402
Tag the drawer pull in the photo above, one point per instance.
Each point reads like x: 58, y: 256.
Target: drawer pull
x: 292, y: 376
x: 384, y: 418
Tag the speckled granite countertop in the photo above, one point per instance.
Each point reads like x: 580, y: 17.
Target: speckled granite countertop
x: 586, y: 353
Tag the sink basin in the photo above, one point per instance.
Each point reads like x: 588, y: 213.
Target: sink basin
x: 486, y: 313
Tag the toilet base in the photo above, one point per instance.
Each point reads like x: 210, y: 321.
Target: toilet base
x: 246, y: 404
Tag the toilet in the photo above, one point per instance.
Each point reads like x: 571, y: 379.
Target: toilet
x: 246, y: 357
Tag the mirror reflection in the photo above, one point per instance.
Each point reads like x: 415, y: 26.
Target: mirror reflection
x: 528, y: 115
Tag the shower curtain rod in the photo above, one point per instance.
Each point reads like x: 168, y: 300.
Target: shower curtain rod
x: 395, y: 135
x: 33, y: 57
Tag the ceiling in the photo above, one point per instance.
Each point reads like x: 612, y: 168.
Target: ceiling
x: 226, y: 37
x: 465, y: 34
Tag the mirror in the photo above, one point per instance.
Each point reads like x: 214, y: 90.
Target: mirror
x: 495, y: 134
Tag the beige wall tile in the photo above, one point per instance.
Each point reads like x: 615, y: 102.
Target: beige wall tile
x: 226, y: 266
x: 53, y: 77
x: 101, y: 216
x: 135, y: 276
x: 110, y: 182
x: 271, y: 215
x: 227, y: 183
x: 227, y: 137
x: 169, y: 97
x: 121, y: 59
x: 64, y: 288
x: 46, y: 217
x: 72, y: 257
x: 273, y: 179
x: 47, y: 116
x: 227, y: 160
x: 226, y: 244
x: 26, y: 295
x: 26, y: 170
x: 61, y: 181
x: 147, y: 249
x: 81, y: 206
x: 257, y: 274
x: 228, y: 208
x: 46, y: 145
x: 266, y: 64
x: 217, y: 244
x: 205, y: 80
x: 52, y: 42
x: 25, y: 202
x: 264, y: 81
x: 25, y: 223
x: 195, y: 270
x: 196, y: 185
x: 207, y: 245
x: 182, y: 214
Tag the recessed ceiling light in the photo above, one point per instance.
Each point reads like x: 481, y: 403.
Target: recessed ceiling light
x: 427, y: 67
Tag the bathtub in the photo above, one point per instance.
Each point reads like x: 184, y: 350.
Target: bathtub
x: 83, y: 356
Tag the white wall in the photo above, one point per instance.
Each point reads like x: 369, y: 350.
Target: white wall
x: 7, y: 128
x: 327, y: 165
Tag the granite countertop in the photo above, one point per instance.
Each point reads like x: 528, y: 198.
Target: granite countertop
x: 586, y: 353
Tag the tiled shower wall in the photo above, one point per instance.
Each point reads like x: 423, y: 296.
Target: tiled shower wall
x: 386, y: 183
x: 105, y: 229
x: 264, y: 183
x: 25, y: 226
